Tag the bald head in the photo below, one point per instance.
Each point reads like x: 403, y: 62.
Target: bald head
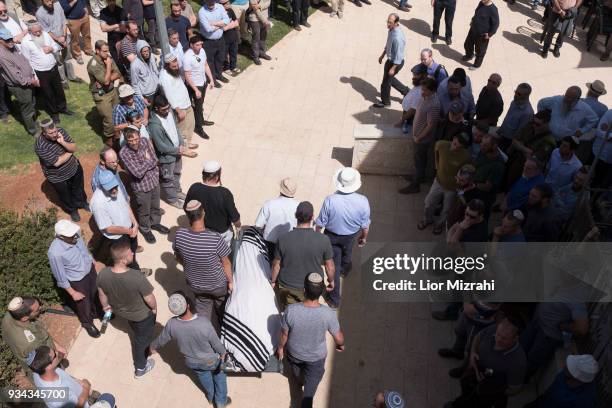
x: 108, y: 159
x: 494, y: 81
x: 572, y: 95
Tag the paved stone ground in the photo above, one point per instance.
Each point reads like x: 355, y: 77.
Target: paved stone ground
x: 294, y: 116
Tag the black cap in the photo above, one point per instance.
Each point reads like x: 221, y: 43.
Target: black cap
x: 304, y: 211
x: 419, y: 69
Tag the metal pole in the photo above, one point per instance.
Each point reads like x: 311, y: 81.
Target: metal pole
x: 160, y: 19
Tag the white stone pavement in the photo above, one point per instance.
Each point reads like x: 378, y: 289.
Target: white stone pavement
x: 294, y: 116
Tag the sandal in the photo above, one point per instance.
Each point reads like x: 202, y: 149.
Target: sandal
x: 423, y: 224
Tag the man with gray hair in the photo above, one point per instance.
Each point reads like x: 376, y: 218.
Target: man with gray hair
x: 570, y: 116
x: 394, y: 50
x: 519, y: 114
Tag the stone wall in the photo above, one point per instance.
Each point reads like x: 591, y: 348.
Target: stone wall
x: 382, y: 149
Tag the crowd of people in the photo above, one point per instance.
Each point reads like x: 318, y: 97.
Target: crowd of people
x: 532, y: 166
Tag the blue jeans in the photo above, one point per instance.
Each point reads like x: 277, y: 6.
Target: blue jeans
x: 213, y: 380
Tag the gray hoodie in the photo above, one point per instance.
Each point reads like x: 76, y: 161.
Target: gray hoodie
x: 145, y: 76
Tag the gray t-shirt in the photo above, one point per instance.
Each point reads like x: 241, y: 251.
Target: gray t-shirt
x: 65, y: 380
x: 126, y: 292
x: 196, y: 339
x: 307, y: 327
x: 301, y: 252
x: 512, y: 362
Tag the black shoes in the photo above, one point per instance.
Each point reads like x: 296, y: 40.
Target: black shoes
x: 544, y: 54
x: 256, y: 61
x: 265, y: 56
x: 92, y: 331
x: 68, y: 112
x: 208, y: 123
x: 434, y: 38
x: 223, y: 79
x: 366, y: 2
x: 381, y: 105
x: 217, y: 84
x: 306, y: 24
x: 149, y: 237
x: 467, y: 58
x: 556, y: 53
x: 297, y: 27
x: 162, y: 229
x: 449, y: 41
x: 358, y: 3
x: 202, y: 134
x: 450, y: 353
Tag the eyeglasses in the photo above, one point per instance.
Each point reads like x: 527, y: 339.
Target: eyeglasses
x: 3, y: 12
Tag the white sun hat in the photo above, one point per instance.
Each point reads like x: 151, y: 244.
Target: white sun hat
x: 347, y: 180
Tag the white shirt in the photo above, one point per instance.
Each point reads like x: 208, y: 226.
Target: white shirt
x: 178, y: 53
x: 14, y: 27
x: 175, y: 90
x: 412, y: 99
x: 197, y: 68
x: 278, y: 217
x: 170, y: 128
x: 65, y: 380
x: 109, y: 212
x: 39, y: 60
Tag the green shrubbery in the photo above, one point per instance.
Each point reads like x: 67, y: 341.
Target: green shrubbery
x: 24, y: 268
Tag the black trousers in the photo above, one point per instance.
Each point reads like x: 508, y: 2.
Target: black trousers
x: 143, y: 336
x: 550, y: 31
x: 198, y: 107
x: 421, y: 156
x: 448, y: 8
x: 230, y: 55
x: 215, y: 54
x: 124, y: 238
x: 342, y: 246
x: 477, y: 43
x: 391, y: 81
x: 52, y: 90
x: 4, y: 100
x: 300, y: 11
x: 89, y: 307
x: 71, y: 192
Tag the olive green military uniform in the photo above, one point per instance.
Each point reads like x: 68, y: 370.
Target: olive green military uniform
x: 23, y: 337
x: 105, y: 97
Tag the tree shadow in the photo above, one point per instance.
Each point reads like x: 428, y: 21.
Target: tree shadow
x: 418, y: 26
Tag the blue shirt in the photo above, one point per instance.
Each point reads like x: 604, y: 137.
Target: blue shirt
x: 600, y: 135
x: 445, y: 100
x: 580, y: 117
x: 344, y: 214
x: 561, y: 172
x: 516, y: 117
x: 95, y: 180
x: 121, y: 110
x: 519, y: 192
x: 207, y: 17
x: 76, y: 12
x: 396, y: 41
x: 180, y: 26
x: 69, y: 262
x: 442, y: 74
x: 599, y: 108
x: 559, y: 395
x: 565, y: 201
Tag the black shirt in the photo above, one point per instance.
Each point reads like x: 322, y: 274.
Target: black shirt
x: 133, y: 9
x: 446, y: 129
x: 231, y: 35
x: 218, y: 202
x: 111, y: 18
x: 490, y: 106
x: 485, y: 20
x: 540, y: 224
x: 149, y: 12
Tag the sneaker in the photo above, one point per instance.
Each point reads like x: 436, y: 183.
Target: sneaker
x: 473, y: 67
x: 333, y: 14
x: 236, y: 71
x: 380, y: 105
x: 146, y: 272
x: 149, y: 237
x: 75, y: 217
x: 450, y: 353
x: 139, y: 373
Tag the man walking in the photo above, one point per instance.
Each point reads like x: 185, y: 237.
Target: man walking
x: 303, y: 329
x: 39, y: 48
x: 198, y: 78
x: 483, y: 26
x: 55, y: 150
x: 78, y: 24
x: 74, y: 271
x: 394, y: 50
x: 299, y: 253
x: 20, y: 79
x: 128, y: 294
x: 140, y: 161
x: 213, y: 18
x: 345, y: 215
x: 277, y: 216
x: 448, y: 8
x: 205, y: 259
x: 103, y: 72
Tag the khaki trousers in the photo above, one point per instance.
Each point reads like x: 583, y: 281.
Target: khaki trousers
x: 337, y: 5
x: 80, y: 28
x: 186, y: 126
x: 105, y: 105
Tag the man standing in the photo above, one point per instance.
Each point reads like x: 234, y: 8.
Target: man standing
x: 205, y: 259
x: 596, y: 89
x: 198, y: 77
x: 152, y: 36
x: 51, y: 17
x: 144, y: 72
x: 187, y: 11
x: 423, y: 127
x: 299, y: 253
x: 413, y: 98
x: 213, y: 18
x: 178, y: 23
x: 259, y: 25
x: 570, y: 115
x: 490, y: 168
x: 218, y: 201
x: 103, y: 72
x: 128, y: 294
x: 560, y: 20
x: 178, y: 96
x: 519, y: 190
x: 40, y: 49
x: 140, y: 162
x: 11, y: 22
x: 490, y: 104
x: 277, y: 216
x: 19, y: 78
x: 78, y: 24
x: 55, y: 150
x: 74, y: 271
x: 300, y: 13
x: 175, y: 46
x: 454, y: 89
x: 566, y: 198
x: 199, y: 344
x: 108, y: 162
x: 483, y: 26
x: 303, y: 329
x: 345, y: 215
x: 169, y: 147
x: 563, y: 163
x: 434, y: 70
x: 112, y: 22
x: 128, y: 101
x: 541, y: 223
x: 519, y: 114
x: 448, y: 8
x: 394, y: 50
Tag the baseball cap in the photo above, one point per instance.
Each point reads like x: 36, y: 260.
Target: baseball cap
x: 5, y: 34
x: 108, y: 180
x: 66, y: 228
x: 419, y: 69
x: 456, y: 107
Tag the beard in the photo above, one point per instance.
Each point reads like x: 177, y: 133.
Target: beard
x: 174, y: 72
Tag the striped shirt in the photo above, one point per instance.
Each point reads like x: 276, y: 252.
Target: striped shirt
x: 48, y: 152
x: 201, y: 253
x: 128, y: 46
x: 427, y: 112
x: 120, y: 111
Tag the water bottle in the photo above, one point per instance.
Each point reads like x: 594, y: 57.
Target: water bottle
x: 107, y: 316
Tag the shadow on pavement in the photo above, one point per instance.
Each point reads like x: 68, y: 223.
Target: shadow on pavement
x: 418, y: 26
